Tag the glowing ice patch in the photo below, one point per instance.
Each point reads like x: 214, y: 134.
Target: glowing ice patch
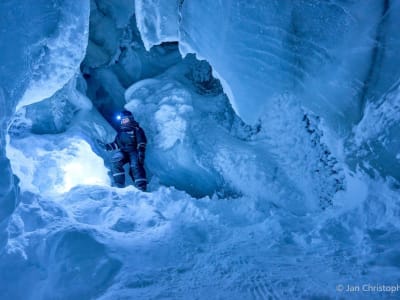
x: 47, y: 166
x: 81, y: 166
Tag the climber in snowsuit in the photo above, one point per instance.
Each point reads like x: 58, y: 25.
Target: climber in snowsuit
x: 131, y: 145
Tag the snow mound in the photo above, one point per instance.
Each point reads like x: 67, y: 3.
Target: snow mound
x: 107, y: 243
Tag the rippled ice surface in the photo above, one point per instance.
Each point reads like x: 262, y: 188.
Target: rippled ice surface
x: 292, y: 205
x: 108, y: 243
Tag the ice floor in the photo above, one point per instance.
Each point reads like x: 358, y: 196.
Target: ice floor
x: 107, y: 243
x: 299, y: 202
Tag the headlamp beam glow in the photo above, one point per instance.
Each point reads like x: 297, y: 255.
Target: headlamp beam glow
x: 118, y: 117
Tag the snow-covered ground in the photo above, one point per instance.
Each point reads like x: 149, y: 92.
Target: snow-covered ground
x: 108, y: 243
x: 302, y: 202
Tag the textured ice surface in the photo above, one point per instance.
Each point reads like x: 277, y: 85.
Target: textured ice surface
x: 42, y: 46
x: 261, y: 229
x: 234, y: 211
x: 107, y: 243
x: 52, y: 150
x: 337, y: 58
x: 375, y: 141
x: 195, y: 134
x: 160, y: 21
x: 116, y: 56
x: 324, y: 51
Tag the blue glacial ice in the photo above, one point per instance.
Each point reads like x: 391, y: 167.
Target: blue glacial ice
x: 273, y: 149
x: 42, y: 46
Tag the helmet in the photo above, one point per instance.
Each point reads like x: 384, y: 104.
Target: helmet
x: 125, y: 119
x: 124, y: 113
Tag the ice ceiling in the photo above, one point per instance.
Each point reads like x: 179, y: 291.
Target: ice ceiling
x: 273, y: 151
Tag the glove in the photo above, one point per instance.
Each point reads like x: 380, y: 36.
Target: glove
x: 104, y: 146
x: 141, y: 157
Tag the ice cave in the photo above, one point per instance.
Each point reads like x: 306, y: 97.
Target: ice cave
x: 272, y: 158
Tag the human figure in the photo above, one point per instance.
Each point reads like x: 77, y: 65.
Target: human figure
x: 131, y: 145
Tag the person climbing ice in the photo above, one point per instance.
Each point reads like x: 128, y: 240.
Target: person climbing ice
x: 131, y: 145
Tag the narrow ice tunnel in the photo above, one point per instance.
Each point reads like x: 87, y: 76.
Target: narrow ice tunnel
x: 114, y: 60
x: 272, y: 155
x: 113, y: 70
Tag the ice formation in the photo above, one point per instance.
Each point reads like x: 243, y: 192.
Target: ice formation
x: 42, y: 47
x: 273, y: 155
